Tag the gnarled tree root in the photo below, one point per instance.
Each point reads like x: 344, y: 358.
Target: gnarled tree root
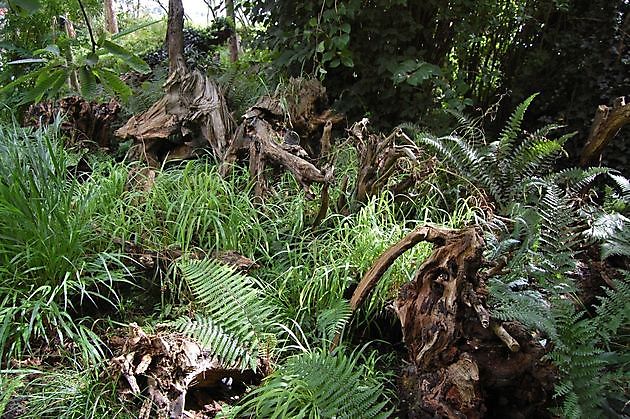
x: 460, y: 363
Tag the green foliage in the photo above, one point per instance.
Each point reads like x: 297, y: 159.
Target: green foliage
x: 60, y: 63
x: 436, y: 56
x: 64, y: 393
x: 318, y: 384
x: 233, y: 318
x: 504, y: 167
x: 51, y: 261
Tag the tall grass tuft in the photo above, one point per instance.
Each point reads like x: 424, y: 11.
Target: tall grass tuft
x: 50, y: 260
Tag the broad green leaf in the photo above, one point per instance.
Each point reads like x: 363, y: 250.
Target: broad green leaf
x: 127, y: 56
x: 422, y: 73
x: 91, y: 59
x: 320, y: 47
x: 112, y: 82
x: 54, y: 49
x: 335, y: 63
x: 28, y: 6
x: 22, y: 79
x: 28, y: 61
x: 347, y: 61
x: 88, y: 82
x: 346, y: 27
x: 45, y: 81
x: 341, y: 42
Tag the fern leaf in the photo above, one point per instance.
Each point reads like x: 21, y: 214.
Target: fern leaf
x: 318, y: 384
x: 233, y: 316
x: 512, y: 129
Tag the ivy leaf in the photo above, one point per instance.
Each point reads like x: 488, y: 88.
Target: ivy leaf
x: 346, y: 28
x: 346, y: 60
x: 320, y: 47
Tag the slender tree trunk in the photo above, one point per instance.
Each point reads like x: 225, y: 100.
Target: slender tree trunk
x: 175, y: 35
x: 73, y: 80
x: 111, y: 23
x: 233, y: 41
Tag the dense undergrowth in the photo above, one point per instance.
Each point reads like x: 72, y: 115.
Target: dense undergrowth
x: 67, y: 280
x: 71, y: 275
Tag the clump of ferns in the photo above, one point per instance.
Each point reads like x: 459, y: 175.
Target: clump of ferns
x: 501, y: 167
x: 539, y: 247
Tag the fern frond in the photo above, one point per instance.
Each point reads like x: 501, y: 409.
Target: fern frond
x: 577, y: 179
x: 623, y: 184
x: 233, y: 315
x: 512, y: 129
x: 332, y: 320
x: 579, y: 361
x: 318, y: 384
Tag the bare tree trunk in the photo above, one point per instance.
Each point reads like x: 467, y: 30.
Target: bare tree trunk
x: 175, y: 35
x: 233, y: 41
x: 111, y: 23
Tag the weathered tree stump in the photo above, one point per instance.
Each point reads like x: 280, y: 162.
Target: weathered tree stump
x: 291, y: 136
x: 381, y: 159
x: 606, y: 124
x: 461, y: 364
x: 191, y: 116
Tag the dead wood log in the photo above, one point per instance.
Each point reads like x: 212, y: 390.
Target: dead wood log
x: 168, y: 366
x: 85, y: 123
x: 191, y: 116
x: 290, y: 137
x: 381, y: 159
x: 607, y: 123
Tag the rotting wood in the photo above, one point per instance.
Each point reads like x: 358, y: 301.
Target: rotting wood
x: 169, y: 366
x: 607, y: 123
x: 456, y: 355
x: 292, y: 137
x: 380, y: 158
x: 85, y: 123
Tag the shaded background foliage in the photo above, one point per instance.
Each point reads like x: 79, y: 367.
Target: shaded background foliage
x: 400, y: 60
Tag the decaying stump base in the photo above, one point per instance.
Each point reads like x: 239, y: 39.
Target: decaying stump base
x: 173, y: 374
x: 461, y: 363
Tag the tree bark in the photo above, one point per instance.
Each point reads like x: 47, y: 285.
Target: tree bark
x: 175, y: 36
x: 111, y: 23
x: 607, y: 123
x: 233, y: 41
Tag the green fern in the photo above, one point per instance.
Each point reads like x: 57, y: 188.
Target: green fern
x: 512, y: 130
x: 318, y: 384
x: 503, y: 166
x: 580, y: 361
x: 333, y: 320
x: 233, y: 319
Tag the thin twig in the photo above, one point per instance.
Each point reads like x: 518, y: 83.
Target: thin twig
x: 87, y: 22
